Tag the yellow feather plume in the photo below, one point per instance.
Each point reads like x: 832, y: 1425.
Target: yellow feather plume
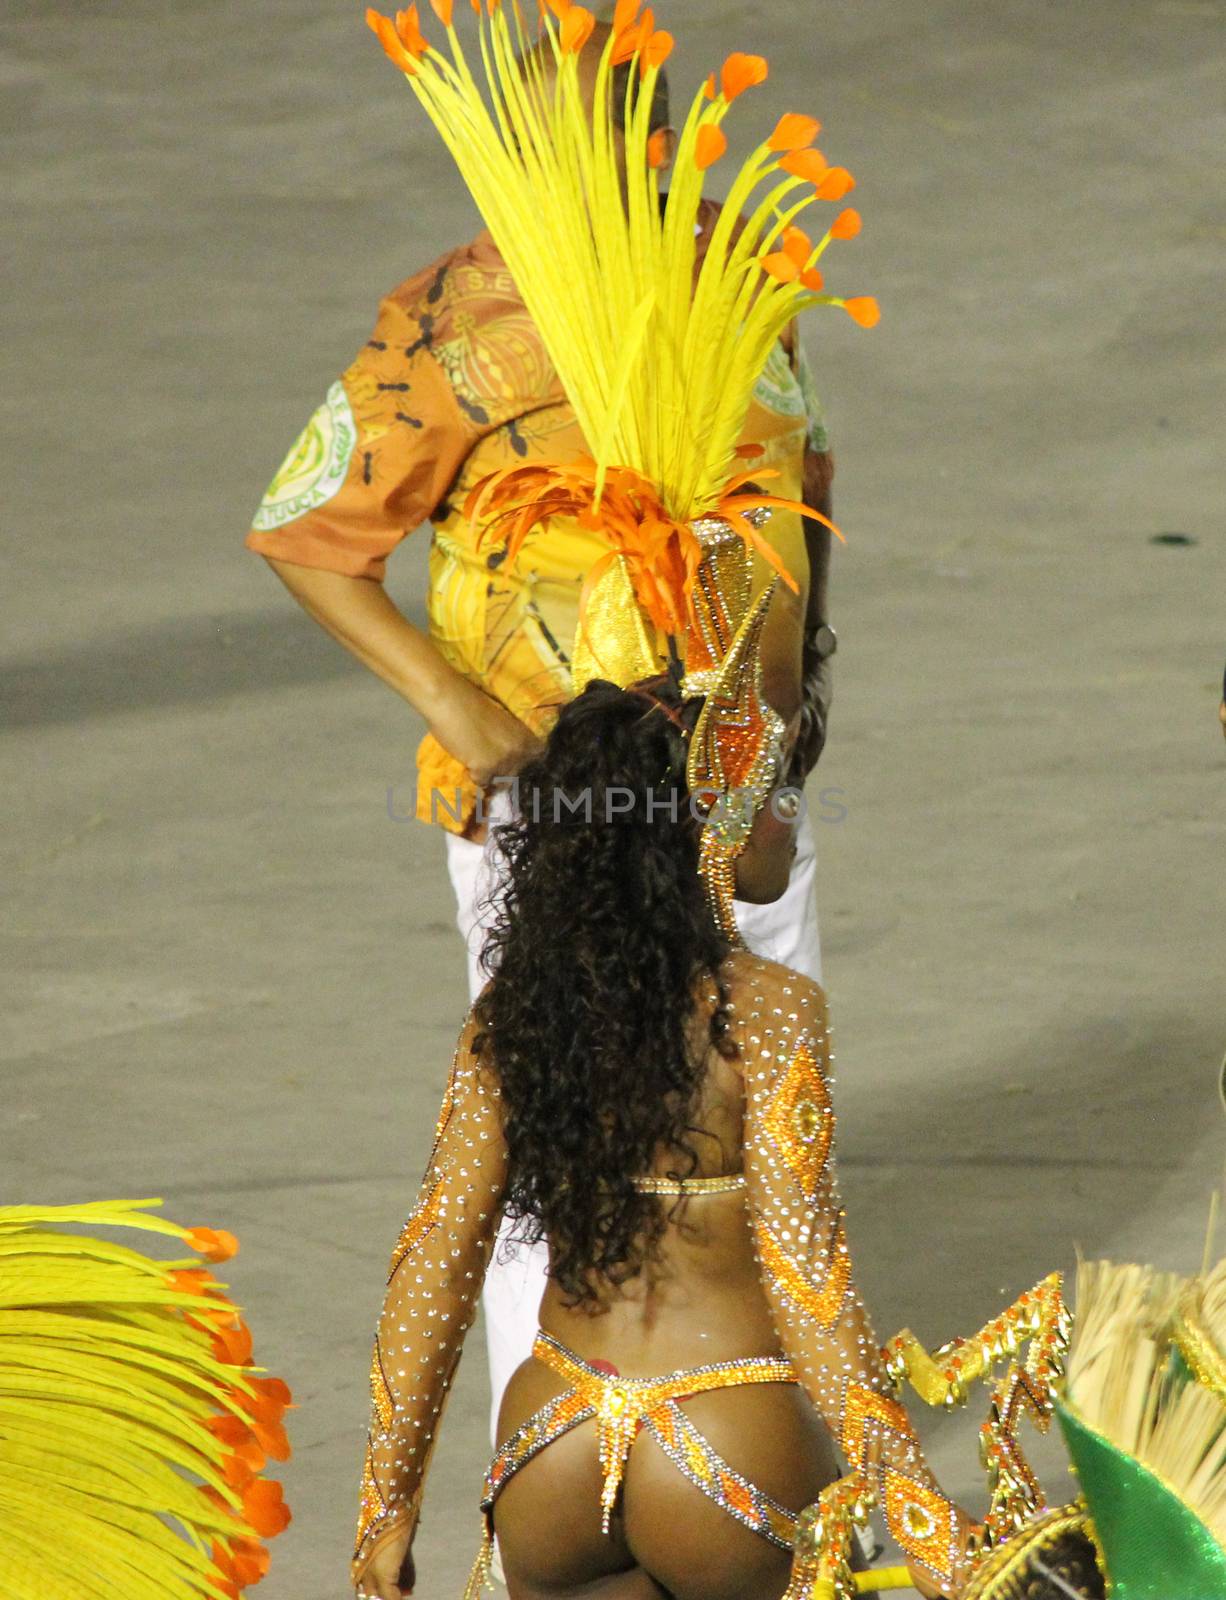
x: 133, y: 1427
x: 657, y: 351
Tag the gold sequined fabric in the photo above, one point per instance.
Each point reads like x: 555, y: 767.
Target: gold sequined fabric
x: 621, y: 1405
x: 806, y: 1264
x: 1053, y: 1558
x: 690, y: 1188
x: 437, y: 1268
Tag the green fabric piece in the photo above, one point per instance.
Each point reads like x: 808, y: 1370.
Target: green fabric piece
x: 1154, y: 1545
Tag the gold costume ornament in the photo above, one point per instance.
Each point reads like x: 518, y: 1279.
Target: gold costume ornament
x: 736, y: 750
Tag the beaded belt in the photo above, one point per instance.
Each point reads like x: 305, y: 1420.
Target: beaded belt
x: 621, y: 1406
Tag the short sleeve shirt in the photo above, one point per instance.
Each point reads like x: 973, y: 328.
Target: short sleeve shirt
x: 454, y: 384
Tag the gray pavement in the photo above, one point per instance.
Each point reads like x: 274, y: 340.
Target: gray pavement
x: 232, y: 977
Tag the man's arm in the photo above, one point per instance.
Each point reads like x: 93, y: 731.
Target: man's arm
x: 359, y: 614
x: 372, y: 464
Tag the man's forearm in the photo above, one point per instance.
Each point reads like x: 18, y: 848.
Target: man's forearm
x: 360, y: 615
x: 469, y: 724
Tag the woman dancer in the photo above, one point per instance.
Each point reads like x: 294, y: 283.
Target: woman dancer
x: 655, y: 1101
x: 632, y: 1086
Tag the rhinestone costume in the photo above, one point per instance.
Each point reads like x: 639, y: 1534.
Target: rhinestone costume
x: 437, y: 1270
x: 801, y: 1241
x: 778, y: 1021
x: 621, y: 1406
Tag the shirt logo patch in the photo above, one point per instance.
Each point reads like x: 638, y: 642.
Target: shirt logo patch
x: 314, y: 470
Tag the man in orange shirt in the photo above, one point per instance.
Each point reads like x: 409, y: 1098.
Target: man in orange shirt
x: 454, y: 384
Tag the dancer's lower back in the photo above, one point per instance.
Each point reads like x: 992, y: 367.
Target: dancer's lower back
x: 733, y: 1449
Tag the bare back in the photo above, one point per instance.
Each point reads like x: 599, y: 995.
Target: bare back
x: 702, y: 1299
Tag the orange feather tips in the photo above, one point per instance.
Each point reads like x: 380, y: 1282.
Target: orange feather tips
x: 641, y: 38
x: 662, y: 555
x: 709, y: 146
x: 264, y: 1508
x: 779, y: 266
x: 385, y: 31
x: 793, y: 132
x: 811, y: 165
x: 708, y: 88
x: 741, y: 72
x: 442, y: 10
x: 624, y: 14
x: 576, y: 29
x: 864, y: 310
x: 243, y: 1563
x: 214, y: 1244
x: 846, y: 225
x: 192, y: 1280
x: 657, y: 149
x: 797, y: 244
x: 656, y: 51
x: 835, y: 184
x: 408, y: 29
x: 791, y: 261
x: 232, y: 1343
x: 812, y: 280
x: 242, y: 1442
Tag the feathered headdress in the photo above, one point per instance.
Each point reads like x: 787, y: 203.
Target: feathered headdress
x: 133, y: 1426
x: 657, y: 350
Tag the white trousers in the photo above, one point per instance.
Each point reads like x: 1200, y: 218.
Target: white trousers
x: 784, y: 931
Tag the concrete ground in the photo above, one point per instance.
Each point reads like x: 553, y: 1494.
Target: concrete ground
x: 232, y: 975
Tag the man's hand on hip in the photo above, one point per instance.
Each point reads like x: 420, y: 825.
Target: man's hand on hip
x: 466, y: 721
x: 477, y: 730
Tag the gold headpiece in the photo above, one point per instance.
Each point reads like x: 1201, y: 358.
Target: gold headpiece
x: 736, y: 749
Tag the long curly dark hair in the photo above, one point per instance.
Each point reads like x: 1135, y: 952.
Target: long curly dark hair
x: 599, y: 941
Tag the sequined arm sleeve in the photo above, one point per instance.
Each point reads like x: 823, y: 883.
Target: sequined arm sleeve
x: 437, y: 1269
x: 801, y: 1241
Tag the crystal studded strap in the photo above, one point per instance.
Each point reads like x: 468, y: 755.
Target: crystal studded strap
x: 802, y: 1250
x: 437, y: 1269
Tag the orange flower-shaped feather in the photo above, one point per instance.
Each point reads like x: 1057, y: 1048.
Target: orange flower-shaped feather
x: 793, y: 132
x: 864, y: 310
x: 709, y: 146
x: 408, y: 29
x: 797, y: 244
x: 740, y: 72
x: 385, y: 30
x: 657, y: 149
x: 264, y: 1508
x: 835, y: 184
x: 576, y: 29
x: 780, y: 266
x: 811, y: 165
x: 214, y: 1244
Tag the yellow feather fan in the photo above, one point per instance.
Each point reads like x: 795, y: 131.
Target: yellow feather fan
x: 133, y: 1426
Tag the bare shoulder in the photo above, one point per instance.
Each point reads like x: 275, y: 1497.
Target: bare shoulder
x: 769, y: 994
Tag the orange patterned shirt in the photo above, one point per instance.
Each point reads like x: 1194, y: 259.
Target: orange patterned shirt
x: 453, y: 384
